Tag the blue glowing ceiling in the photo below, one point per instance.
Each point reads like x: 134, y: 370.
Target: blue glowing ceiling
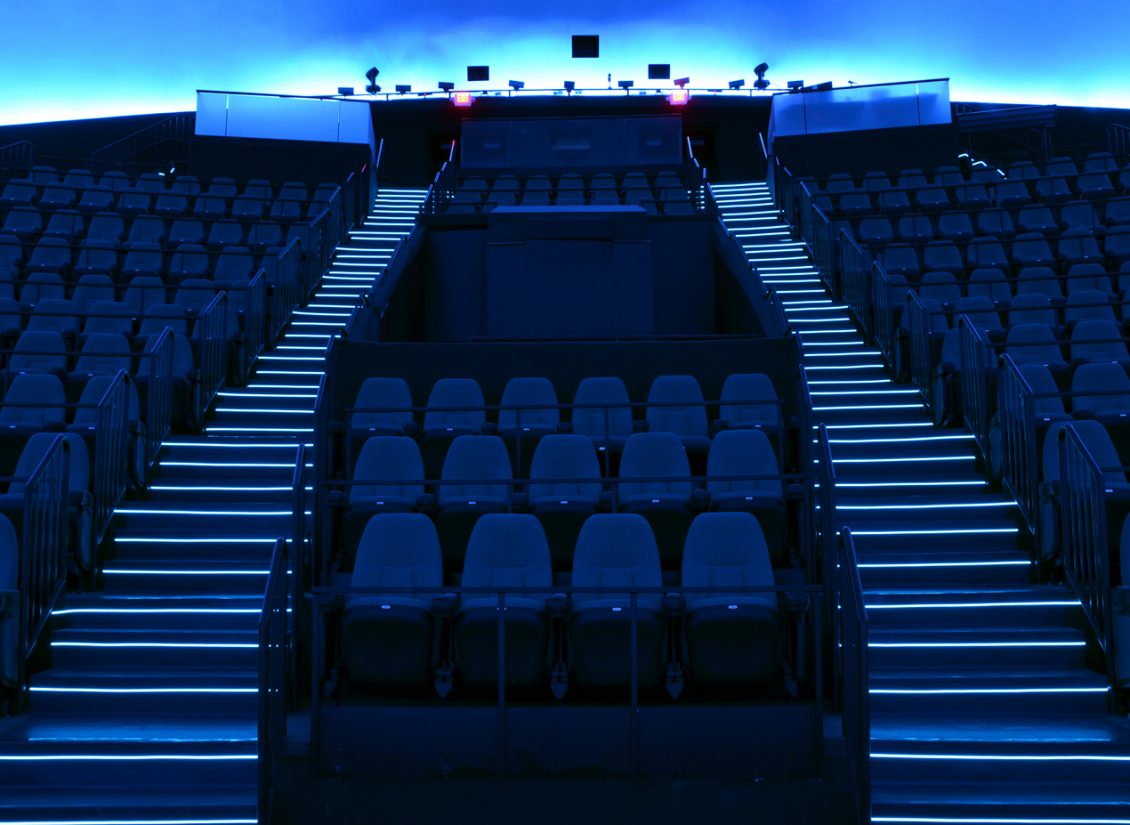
x: 74, y: 59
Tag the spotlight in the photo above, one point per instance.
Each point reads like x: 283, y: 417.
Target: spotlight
x: 682, y: 82
x: 625, y: 84
x: 445, y: 86
x: 345, y: 91
x: 761, y: 83
x: 570, y: 86
x: 679, y: 97
x: 517, y: 85
x: 736, y: 84
x: 402, y: 88
x: 371, y: 76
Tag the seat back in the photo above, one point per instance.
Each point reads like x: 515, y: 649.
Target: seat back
x: 479, y: 466
x: 675, y: 405
x: 601, y: 408
x: 743, y: 453
x: 561, y: 467
x: 398, y: 550
x: 389, y: 466
x: 658, y: 455
x: 727, y: 549
x: 539, y: 394
x: 455, y: 405
x: 382, y: 405
x: 615, y: 550
x: 508, y: 550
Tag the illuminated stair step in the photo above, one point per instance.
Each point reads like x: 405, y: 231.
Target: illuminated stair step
x: 1028, y: 647
x: 84, y: 648
x: 186, y: 693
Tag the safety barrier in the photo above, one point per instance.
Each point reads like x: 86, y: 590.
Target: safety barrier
x: 156, y: 380
x: 852, y: 639
x: 17, y: 156
x: 1020, y: 465
x: 978, y: 384
x: 110, y: 466
x: 43, y: 547
x: 855, y: 279
x: 287, y: 288
x: 1086, y: 553
x: 209, y: 340
x: 821, y: 240
x: 885, y: 314
x: 924, y: 348
x: 802, y: 606
x: 274, y: 695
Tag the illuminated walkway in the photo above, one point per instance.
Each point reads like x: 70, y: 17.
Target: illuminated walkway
x: 983, y: 709
x: 148, y: 709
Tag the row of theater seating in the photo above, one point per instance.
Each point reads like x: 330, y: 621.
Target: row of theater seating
x: 669, y: 193
x: 29, y: 225
x: 566, y: 484
x: 182, y: 195
x: 601, y: 408
x: 232, y: 263
x: 1075, y: 246
x: 958, y: 226
x: 724, y: 638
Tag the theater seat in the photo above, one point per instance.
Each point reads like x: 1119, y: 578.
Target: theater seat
x: 732, y: 638
x: 387, y: 478
x: 675, y: 405
x: 616, y: 551
x: 1100, y: 391
x: 602, y: 412
x: 564, y: 490
x: 749, y: 401
x: 387, y: 640
x: 754, y: 486
x: 505, y: 550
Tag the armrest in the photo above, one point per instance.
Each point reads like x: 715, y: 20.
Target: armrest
x: 335, y: 498
x: 640, y: 426
x: 674, y: 605
x: 445, y: 605
x: 564, y: 426
x: 519, y: 501
x: 605, y: 500
x: 557, y: 606
x: 425, y: 501
x: 700, y: 499
x: 490, y: 428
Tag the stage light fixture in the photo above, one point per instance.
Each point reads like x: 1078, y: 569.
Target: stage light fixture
x: 761, y: 84
x: 795, y: 85
x: 570, y: 86
x: 478, y: 74
x: 517, y: 85
x: 371, y: 76
x: 736, y: 84
x: 446, y: 86
x: 345, y: 91
x: 462, y: 99
x: 402, y: 88
x: 625, y: 84
x: 682, y: 82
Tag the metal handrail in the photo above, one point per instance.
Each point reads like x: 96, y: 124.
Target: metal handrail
x: 855, y: 278
x: 275, y: 641
x: 110, y: 468
x: 43, y: 548
x: 175, y: 128
x: 1086, y: 551
x: 978, y: 383
x: 157, y: 370
x: 1020, y: 467
x: 852, y: 638
x: 17, y: 155
x: 211, y: 336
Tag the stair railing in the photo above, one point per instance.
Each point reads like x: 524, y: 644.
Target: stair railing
x: 1118, y: 141
x: 1083, y: 524
x: 43, y: 549
x: 211, y: 331
x: 176, y: 129
x: 17, y: 156
x: 978, y: 383
x: 852, y: 640
x: 921, y: 319
x: 855, y: 278
x: 821, y: 240
x: 274, y: 649
x: 884, y: 311
x: 1020, y: 465
x: 110, y: 467
x: 157, y: 370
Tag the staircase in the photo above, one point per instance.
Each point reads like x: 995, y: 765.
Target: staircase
x: 147, y: 712
x: 983, y: 707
